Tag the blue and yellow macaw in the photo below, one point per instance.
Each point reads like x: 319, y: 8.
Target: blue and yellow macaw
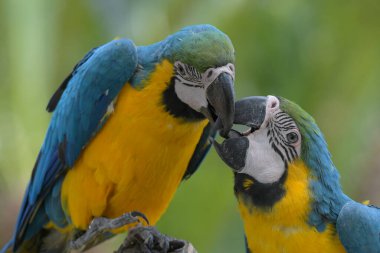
x: 287, y: 186
x: 129, y: 123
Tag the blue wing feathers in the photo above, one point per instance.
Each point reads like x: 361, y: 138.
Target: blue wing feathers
x: 76, y: 115
x: 57, y: 95
x: 52, y: 204
x: 358, y: 227
x: 79, y: 105
x: 32, y: 218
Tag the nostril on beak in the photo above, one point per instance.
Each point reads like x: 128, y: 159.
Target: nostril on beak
x: 273, y: 103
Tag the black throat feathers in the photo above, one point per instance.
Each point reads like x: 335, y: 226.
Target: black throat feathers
x: 259, y: 194
x: 176, y: 107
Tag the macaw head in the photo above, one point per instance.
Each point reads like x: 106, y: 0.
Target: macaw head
x: 283, y: 152
x: 279, y: 133
x: 203, y: 59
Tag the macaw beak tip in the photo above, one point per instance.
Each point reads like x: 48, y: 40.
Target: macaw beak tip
x: 251, y: 112
x: 221, y: 97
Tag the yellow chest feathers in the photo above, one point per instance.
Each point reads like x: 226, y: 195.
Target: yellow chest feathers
x: 284, y: 227
x: 136, y: 161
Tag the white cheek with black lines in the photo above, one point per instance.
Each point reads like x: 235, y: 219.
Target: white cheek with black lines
x: 262, y: 162
x: 190, y: 86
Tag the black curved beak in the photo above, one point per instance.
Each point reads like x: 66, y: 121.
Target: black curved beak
x: 251, y: 111
x: 233, y: 152
x: 221, y: 97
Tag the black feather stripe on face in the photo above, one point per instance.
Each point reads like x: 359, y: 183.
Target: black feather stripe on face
x: 280, y: 123
x: 176, y: 107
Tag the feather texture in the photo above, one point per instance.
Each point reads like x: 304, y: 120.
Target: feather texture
x: 111, y: 146
x: 93, y: 85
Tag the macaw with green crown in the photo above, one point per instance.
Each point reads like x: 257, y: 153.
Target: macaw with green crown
x: 128, y: 125
x: 287, y: 186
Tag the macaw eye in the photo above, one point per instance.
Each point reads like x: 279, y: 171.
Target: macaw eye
x: 292, y: 137
x: 209, y: 74
x: 181, y: 70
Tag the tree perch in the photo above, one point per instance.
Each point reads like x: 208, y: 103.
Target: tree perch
x: 142, y: 239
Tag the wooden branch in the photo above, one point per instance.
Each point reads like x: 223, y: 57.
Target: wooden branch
x: 149, y: 240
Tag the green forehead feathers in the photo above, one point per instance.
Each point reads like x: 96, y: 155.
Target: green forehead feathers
x: 312, y: 138
x: 301, y: 117
x: 201, y: 47
x: 306, y: 123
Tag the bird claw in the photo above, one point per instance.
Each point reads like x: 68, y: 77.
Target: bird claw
x: 149, y: 240
x: 100, y: 226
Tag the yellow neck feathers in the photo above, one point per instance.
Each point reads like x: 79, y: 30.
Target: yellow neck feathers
x: 284, y: 228
x: 136, y: 161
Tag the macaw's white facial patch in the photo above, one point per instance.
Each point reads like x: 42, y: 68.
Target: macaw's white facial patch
x: 191, y: 85
x: 262, y: 162
x: 272, y: 147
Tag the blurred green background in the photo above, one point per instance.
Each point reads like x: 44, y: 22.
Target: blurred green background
x: 325, y: 55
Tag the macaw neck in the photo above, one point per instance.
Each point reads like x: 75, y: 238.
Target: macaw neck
x: 328, y: 197
x: 299, y: 192
x: 261, y: 195
x: 147, y: 59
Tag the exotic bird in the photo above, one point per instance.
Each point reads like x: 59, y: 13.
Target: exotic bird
x: 129, y: 123
x: 287, y: 186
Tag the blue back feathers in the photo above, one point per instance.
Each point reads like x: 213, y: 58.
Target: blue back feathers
x: 358, y: 227
x: 80, y: 104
